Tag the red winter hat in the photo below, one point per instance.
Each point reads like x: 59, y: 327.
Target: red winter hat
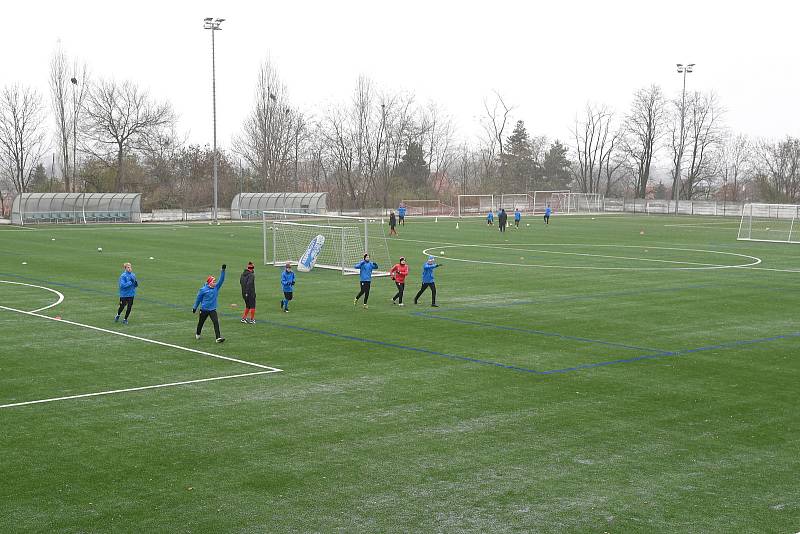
x: 210, y: 279
x: 250, y: 266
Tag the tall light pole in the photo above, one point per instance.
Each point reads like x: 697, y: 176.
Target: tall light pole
x: 210, y: 23
x: 74, y: 81
x: 682, y: 69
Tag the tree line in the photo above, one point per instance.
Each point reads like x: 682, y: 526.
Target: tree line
x: 375, y: 148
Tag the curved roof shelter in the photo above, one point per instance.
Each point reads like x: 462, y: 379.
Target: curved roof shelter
x: 76, y: 208
x: 250, y: 205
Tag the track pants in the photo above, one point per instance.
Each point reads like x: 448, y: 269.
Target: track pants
x: 364, y: 291
x: 123, y: 302
x: 422, y: 290
x: 401, y: 286
x: 214, y: 319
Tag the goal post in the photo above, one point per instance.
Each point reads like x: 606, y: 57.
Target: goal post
x: 568, y: 203
x: 472, y: 205
x: 433, y: 207
x: 512, y: 201
x: 287, y: 236
x: 775, y: 223
x: 541, y: 199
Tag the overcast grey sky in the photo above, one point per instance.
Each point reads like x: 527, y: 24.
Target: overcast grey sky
x: 546, y: 58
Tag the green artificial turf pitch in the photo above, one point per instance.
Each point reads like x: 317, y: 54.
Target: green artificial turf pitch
x: 608, y: 374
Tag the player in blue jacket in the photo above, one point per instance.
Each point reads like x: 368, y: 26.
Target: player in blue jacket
x: 401, y: 214
x: 490, y: 218
x: 427, y: 280
x: 127, y: 290
x: 547, y: 214
x: 287, y: 283
x: 517, y: 217
x: 207, y: 302
x: 365, y: 268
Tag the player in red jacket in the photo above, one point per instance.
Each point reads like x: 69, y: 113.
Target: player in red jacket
x: 398, y: 273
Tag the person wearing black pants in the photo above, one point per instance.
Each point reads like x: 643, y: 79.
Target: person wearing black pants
x: 127, y: 291
x: 502, y: 219
x: 365, y: 268
x: 427, y: 281
x: 207, y: 302
x: 398, y: 273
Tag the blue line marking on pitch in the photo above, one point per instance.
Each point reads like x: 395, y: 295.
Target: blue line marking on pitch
x: 655, y: 355
x: 428, y: 315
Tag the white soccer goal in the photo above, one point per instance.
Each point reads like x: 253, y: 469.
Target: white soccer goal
x: 576, y: 203
x: 541, y: 199
x: 428, y: 207
x: 471, y: 205
x: 521, y: 201
x: 769, y: 222
x: 287, y: 235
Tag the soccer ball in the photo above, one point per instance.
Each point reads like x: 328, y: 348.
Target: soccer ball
x: 99, y: 249
x: 441, y: 252
x: 527, y: 224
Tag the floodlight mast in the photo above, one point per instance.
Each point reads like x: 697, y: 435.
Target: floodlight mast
x: 682, y: 69
x: 210, y: 23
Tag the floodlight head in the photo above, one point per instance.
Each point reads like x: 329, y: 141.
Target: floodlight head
x: 219, y: 20
x: 680, y: 68
x: 689, y: 67
x: 208, y: 19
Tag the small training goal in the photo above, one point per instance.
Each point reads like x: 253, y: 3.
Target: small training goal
x: 428, y: 208
x: 769, y: 222
x: 472, y: 205
x: 287, y: 236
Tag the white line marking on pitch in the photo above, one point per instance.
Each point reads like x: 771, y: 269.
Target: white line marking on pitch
x: 146, y: 340
x: 141, y: 388
x: 56, y: 303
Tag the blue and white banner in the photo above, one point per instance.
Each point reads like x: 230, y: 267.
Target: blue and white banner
x: 309, y: 258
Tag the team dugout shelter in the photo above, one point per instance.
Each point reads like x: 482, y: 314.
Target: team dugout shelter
x: 76, y: 208
x: 250, y: 205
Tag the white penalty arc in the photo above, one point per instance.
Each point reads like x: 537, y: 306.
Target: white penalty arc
x: 679, y: 265
x: 56, y: 303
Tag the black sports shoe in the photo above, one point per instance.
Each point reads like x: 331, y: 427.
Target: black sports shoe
x: 434, y: 305
x: 220, y: 340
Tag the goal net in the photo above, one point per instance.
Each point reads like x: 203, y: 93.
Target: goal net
x: 288, y: 235
x: 521, y: 201
x: 471, y: 205
x: 542, y: 199
x: 769, y: 222
x: 576, y: 203
x: 428, y: 207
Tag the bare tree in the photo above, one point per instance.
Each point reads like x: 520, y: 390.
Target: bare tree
x: 438, y: 140
x: 703, y: 137
x: 595, y: 143
x: 22, y: 134
x: 735, y: 169
x: 272, y: 132
x: 495, y: 122
x: 643, y: 128
x: 119, y: 117
x: 777, y: 170
x: 68, y: 89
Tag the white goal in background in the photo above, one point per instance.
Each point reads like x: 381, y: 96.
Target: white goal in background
x: 769, y: 222
x: 541, y: 199
x: 287, y: 236
x: 576, y: 203
x: 522, y: 201
x: 428, y: 207
x: 471, y: 205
